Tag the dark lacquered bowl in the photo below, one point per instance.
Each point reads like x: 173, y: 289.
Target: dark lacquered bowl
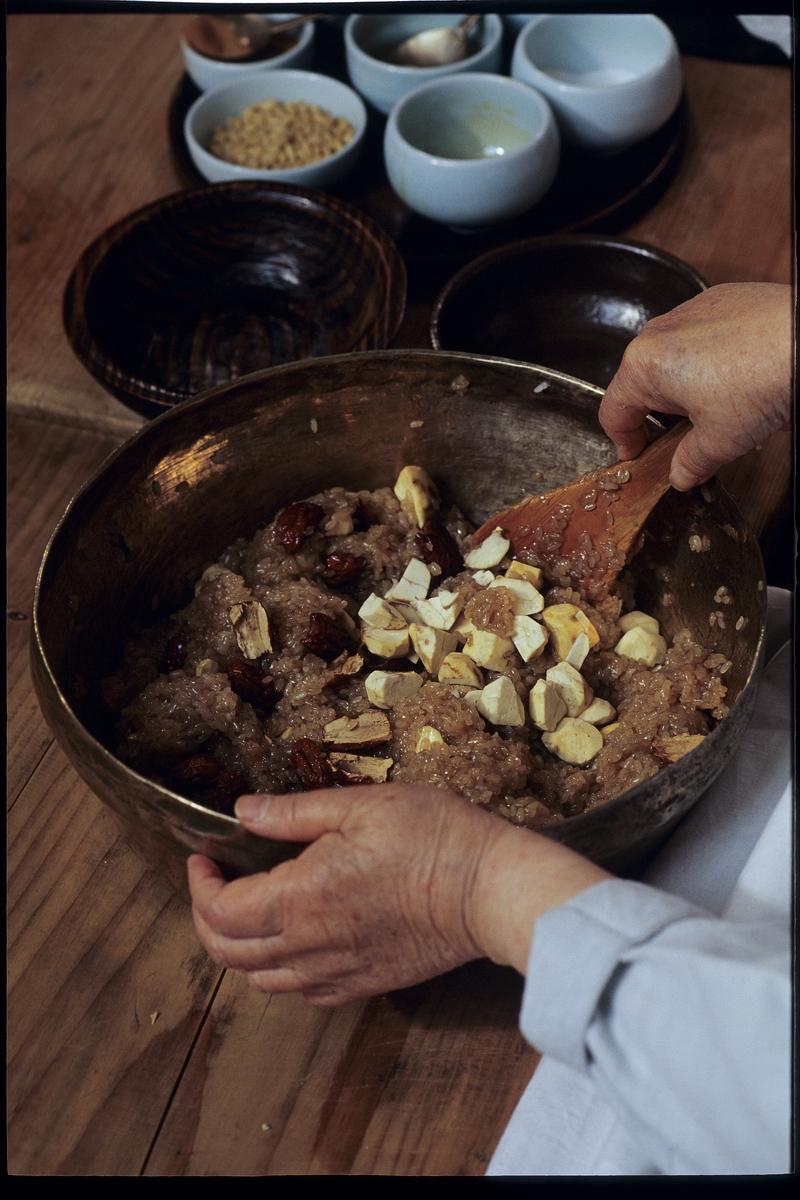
x: 571, y: 301
x: 206, y: 286
x: 193, y: 480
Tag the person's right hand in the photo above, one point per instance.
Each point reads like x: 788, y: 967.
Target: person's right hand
x: 724, y: 360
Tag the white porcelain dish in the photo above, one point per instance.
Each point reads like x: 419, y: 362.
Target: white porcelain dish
x: 384, y: 83
x: 215, y: 107
x: 208, y: 73
x: 514, y: 22
x: 471, y: 150
x: 612, y: 79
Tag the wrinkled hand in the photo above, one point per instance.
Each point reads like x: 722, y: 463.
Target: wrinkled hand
x: 723, y: 359
x: 398, y: 884
x: 376, y: 902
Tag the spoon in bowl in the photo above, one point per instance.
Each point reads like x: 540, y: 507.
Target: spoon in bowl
x: 556, y: 525
x: 434, y: 47
x: 237, y: 38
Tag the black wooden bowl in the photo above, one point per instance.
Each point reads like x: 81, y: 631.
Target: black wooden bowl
x: 188, y: 484
x: 205, y: 286
x: 571, y: 302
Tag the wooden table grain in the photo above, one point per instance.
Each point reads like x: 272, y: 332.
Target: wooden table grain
x: 130, y: 1052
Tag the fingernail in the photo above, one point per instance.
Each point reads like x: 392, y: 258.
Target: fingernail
x: 251, y: 808
x: 681, y: 480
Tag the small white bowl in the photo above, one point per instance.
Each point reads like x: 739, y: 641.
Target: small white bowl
x: 612, y: 79
x: 470, y: 150
x: 383, y: 83
x: 208, y: 73
x: 214, y: 108
x: 513, y: 22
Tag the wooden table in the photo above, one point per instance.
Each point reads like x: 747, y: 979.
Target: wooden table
x: 130, y: 1052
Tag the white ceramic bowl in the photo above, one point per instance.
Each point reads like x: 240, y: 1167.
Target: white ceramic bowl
x: 612, y: 79
x: 208, y: 73
x: 215, y: 107
x: 513, y: 22
x: 470, y: 150
x: 383, y: 83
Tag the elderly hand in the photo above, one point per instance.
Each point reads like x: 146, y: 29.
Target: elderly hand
x: 724, y: 360
x: 398, y: 884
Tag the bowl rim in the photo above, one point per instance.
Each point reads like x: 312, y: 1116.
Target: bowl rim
x: 103, y: 369
x: 588, y: 91
x: 399, y: 71
x: 239, y: 69
x: 220, y: 822
x: 549, y: 126
x: 554, y: 241
x: 285, y: 174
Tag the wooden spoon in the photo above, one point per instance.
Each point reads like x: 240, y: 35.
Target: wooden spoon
x: 639, y: 484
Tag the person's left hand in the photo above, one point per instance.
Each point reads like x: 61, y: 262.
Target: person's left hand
x: 376, y: 902
x: 398, y: 884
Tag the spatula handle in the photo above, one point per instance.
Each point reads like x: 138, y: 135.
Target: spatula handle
x: 654, y: 462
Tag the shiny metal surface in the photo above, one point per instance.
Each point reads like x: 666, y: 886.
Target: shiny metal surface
x: 202, y: 287
x: 159, y: 509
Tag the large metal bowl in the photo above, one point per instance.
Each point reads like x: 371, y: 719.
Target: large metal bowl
x: 139, y: 532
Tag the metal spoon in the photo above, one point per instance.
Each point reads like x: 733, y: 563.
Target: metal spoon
x: 236, y: 38
x: 434, y: 47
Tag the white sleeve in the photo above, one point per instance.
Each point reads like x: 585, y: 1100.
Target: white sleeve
x: 681, y: 1019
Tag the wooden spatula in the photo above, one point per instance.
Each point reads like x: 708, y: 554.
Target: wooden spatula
x: 640, y: 484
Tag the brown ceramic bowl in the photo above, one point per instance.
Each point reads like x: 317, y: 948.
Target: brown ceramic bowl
x: 571, y: 301
x: 208, y: 285
x: 185, y: 486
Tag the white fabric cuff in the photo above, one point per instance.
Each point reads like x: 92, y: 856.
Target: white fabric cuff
x: 577, y: 949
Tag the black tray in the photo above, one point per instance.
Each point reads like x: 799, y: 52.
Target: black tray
x: 591, y: 193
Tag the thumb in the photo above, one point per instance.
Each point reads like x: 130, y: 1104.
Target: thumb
x: 623, y: 420
x: 298, y: 817
x: 691, y: 465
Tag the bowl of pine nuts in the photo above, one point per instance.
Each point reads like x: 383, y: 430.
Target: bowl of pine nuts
x: 289, y: 126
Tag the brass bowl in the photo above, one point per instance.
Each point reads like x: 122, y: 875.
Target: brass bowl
x: 185, y: 486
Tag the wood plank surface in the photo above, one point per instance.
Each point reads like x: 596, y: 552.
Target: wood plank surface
x: 87, y: 102
x: 418, y: 1082
x: 107, y: 986
x: 65, y: 457
x: 129, y: 1051
x: 729, y: 210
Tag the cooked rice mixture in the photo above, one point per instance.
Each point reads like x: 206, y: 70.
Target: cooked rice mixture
x: 350, y: 642
x: 272, y: 136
